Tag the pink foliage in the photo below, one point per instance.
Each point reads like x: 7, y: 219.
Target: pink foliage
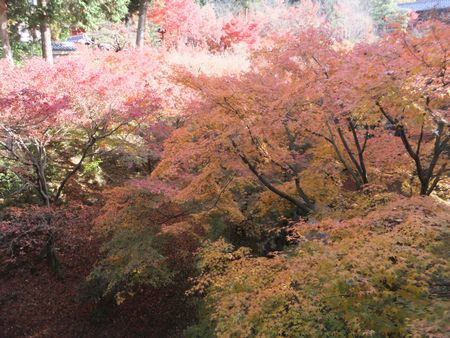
x: 179, y: 18
x: 238, y: 30
x: 72, y: 106
x: 186, y: 23
x: 93, y: 88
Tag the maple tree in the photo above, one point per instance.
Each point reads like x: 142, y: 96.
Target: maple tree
x: 406, y: 84
x: 250, y: 124
x: 142, y: 226
x: 424, y: 69
x: 48, y: 122
x: 317, y: 103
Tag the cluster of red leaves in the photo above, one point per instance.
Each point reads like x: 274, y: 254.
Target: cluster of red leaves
x: 185, y: 22
x: 26, y: 233
x: 237, y: 30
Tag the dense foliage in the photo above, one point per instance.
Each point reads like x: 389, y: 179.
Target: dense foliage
x: 51, y: 126
x: 265, y: 170
x: 378, y: 275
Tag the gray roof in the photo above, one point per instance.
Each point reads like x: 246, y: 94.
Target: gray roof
x: 63, y: 47
x: 426, y: 5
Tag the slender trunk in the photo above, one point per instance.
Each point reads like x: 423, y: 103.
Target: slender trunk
x: 428, y: 179
x: 305, y: 206
x: 350, y: 154
x: 46, y: 39
x: 140, y: 37
x: 360, y: 149
x: 332, y: 140
x: 42, y: 186
x: 4, y: 34
x: 76, y: 168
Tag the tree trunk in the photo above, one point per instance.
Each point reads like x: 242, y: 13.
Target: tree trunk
x: 140, y: 37
x: 76, y: 168
x: 41, y: 181
x: 304, y: 206
x: 427, y: 176
x: 46, y: 39
x: 4, y: 34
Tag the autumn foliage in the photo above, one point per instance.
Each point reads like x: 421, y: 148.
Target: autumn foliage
x: 282, y: 174
x: 379, y: 275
